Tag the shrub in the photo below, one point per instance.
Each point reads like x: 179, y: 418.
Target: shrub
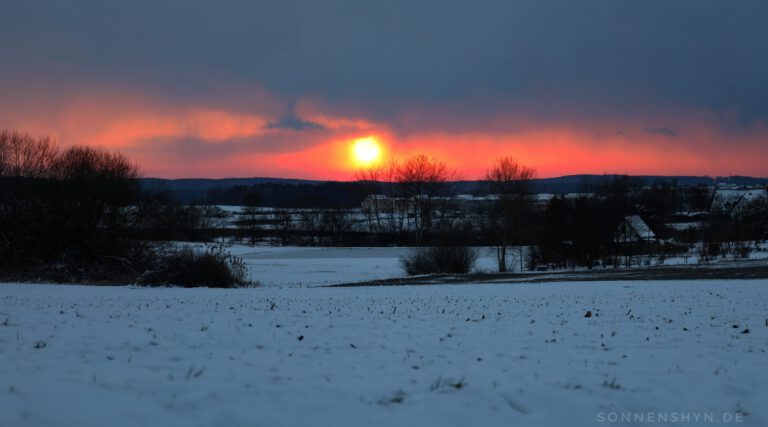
x: 454, y: 259
x: 440, y: 259
x: 213, y: 267
x: 417, y: 261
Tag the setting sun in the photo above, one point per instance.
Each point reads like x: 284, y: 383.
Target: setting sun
x: 366, y: 151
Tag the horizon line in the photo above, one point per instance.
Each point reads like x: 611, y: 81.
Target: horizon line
x: 705, y: 176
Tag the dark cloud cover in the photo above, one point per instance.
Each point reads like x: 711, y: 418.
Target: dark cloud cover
x: 293, y: 122
x: 549, y: 57
x: 190, y: 84
x: 668, y: 132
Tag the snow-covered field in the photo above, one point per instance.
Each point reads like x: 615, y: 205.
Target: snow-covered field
x: 292, y: 266
x: 462, y: 355
x: 314, y: 266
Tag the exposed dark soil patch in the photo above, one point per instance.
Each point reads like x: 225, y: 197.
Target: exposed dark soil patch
x: 730, y: 270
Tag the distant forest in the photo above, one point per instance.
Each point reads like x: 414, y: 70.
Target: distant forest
x: 83, y: 214
x: 293, y: 193
x: 284, y: 195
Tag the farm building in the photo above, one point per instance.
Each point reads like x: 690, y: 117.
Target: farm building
x: 632, y: 229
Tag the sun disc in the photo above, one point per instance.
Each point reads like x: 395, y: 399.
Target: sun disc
x: 366, y: 151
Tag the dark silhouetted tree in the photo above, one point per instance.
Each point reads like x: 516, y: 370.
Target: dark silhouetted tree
x: 507, y: 217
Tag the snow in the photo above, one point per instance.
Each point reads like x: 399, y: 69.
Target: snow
x: 295, y: 266
x: 683, y: 226
x: 633, y: 229
x: 728, y: 200
x: 314, y: 266
x: 457, y: 355
x: 640, y: 227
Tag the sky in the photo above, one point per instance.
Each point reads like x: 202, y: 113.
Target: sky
x: 284, y: 88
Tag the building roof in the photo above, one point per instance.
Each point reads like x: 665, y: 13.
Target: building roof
x: 640, y: 227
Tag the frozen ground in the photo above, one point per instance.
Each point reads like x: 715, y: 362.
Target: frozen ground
x: 291, y: 266
x: 303, y: 266
x: 460, y: 355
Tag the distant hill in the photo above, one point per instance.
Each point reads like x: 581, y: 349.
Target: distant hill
x: 195, y: 189
x: 581, y: 183
x: 577, y: 183
x: 190, y: 190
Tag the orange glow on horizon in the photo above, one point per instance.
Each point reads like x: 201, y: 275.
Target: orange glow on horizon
x: 175, y: 141
x: 551, y: 153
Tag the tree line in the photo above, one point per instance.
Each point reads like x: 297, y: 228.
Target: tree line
x: 80, y: 213
x: 565, y: 231
x: 411, y: 203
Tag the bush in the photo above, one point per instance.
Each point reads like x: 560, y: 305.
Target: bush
x: 213, y: 267
x: 440, y: 259
x: 417, y: 261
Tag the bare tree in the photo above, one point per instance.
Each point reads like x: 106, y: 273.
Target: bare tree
x: 70, y: 207
x: 421, y: 179
x: 249, y: 218
x: 25, y: 156
x: 372, y: 179
x: 96, y: 187
x: 311, y: 221
x: 408, y: 194
x: 511, y: 183
x: 384, y: 207
x: 336, y: 225
x: 283, y: 226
